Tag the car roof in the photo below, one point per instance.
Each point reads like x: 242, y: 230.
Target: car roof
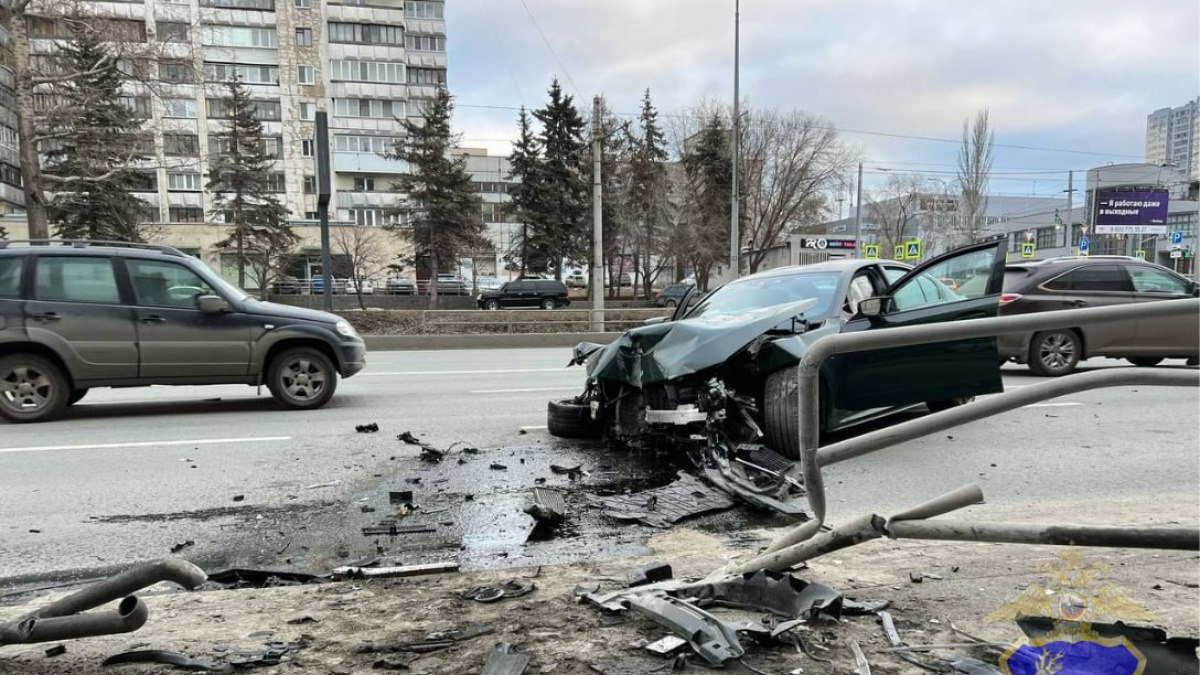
x: 836, y: 265
x: 25, y: 247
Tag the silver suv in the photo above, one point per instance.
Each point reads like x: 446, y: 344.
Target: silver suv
x: 81, y: 314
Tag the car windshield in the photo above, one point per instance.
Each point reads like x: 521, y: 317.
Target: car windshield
x: 746, y: 295
x: 223, y: 287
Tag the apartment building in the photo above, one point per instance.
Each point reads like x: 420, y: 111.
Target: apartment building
x: 368, y: 64
x: 1173, y: 137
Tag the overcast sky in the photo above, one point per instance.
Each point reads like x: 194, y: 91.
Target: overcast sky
x: 1065, y: 74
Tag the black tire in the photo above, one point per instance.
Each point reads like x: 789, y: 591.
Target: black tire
x: 781, y: 415
x: 568, y: 419
x: 76, y: 396
x: 549, y: 303
x: 34, y: 389
x: 1145, y: 361
x: 301, y: 378
x: 939, y: 406
x: 492, y: 304
x: 1055, y: 353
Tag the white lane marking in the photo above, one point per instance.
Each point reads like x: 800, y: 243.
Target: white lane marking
x: 534, y: 428
x: 1061, y: 404
x: 523, y: 391
x: 466, y: 372
x: 149, y: 444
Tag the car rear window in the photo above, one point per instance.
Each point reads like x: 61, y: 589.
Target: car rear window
x: 1108, y: 278
x: 1014, y: 278
x: 10, y: 277
x: 550, y: 285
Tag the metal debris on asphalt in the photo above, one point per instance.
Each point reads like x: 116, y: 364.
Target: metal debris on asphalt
x: 504, y: 660
x: 56, y: 650
x: 431, y: 643
x: 332, y: 483
x: 547, y: 506
x: 180, y: 546
x: 367, y: 428
x: 249, y: 578
x: 648, y: 574
x: 364, y: 572
x: 177, y: 659
x: 512, y: 588
x: 662, y: 507
x: 407, y: 437
x: 667, y: 646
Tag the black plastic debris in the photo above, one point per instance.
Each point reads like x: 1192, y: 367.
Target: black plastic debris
x: 571, y: 472
x: 851, y: 607
x: 431, y: 455
x: 918, y: 577
x: 177, y: 659
x: 497, y: 466
x: 180, y: 546
x: 246, y: 578
x: 664, y: 506
x: 433, y: 642
x: 272, y: 655
x: 56, y: 650
x: 504, y: 660
x: 367, y: 428
x: 713, y: 640
x: 393, y: 663
x: 391, y: 529
x: 784, y: 595
x: 400, y: 497
x: 649, y: 574
x: 239, y: 498
x: 407, y: 437
x: 513, y: 588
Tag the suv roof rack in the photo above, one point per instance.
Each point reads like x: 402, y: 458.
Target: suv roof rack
x: 84, y: 243
x: 1090, y: 257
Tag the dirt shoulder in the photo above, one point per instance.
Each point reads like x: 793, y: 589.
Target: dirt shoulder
x: 563, y: 636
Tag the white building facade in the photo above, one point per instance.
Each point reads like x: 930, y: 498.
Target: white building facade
x: 1173, y: 137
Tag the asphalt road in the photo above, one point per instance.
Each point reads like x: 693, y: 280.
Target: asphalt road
x: 130, y: 474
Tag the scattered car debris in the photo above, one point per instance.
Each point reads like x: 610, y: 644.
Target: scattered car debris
x: 364, y: 572
x: 861, y: 666
x: 504, y: 660
x: 497, y: 466
x: 56, y: 650
x: 367, y: 428
x: 182, y: 545
x: 571, y: 472
x: 547, y: 506
x: 431, y: 455
x: 893, y: 636
x: 177, y: 659
x: 668, y: 646
x: 407, y: 437
x: 784, y: 595
x: 239, y: 498
x: 272, y: 655
x: 248, y: 578
x: 712, y: 639
x: 401, y: 497
x: 664, y: 506
x: 303, y: 619
x: 316, y: 486
x: 512, y: 588
x: 393, y: 663
x: 391, y: 528
x: 433, y: 642
x: 918, y: 577
x: 649, y: 574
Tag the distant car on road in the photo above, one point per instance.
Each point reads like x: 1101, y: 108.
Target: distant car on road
x: 452, y: 284
x: 352, y: 287
x: 576, y: 279
x: 286, y: 286
x: 398, y: 285
x: 488, y: 283
x: 544, y: 293
x: 1098, y: 281
x: 672, y: 295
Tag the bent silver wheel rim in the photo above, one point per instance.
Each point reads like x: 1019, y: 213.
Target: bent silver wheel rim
x: 1057, y: 351
x: 25, y: 389
x: 302, y: 379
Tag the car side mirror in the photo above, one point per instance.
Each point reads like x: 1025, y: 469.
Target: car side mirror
x: 656, y: 320
x: 872, y: 307
x: 211, y: 304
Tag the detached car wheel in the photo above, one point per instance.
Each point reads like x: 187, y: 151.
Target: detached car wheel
x: 32, y: 389
x: 939, y: 406
x: 781, y: 414
x: 568, y: 419
x: 1145, y: 361
x: 1054, y: 353
x: 301, y: 378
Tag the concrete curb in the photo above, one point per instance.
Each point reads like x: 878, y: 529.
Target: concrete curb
x: 385, y: 343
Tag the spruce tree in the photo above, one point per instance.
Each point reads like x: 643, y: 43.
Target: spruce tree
x: 91, y: 142
x: 649, y: 196
x: 566, y: 230
x: 443, y: 211
x: 710, y: 174
x: 528, y: 196
x: 259, y: 233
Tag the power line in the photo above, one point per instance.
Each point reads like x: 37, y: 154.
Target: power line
x: 549, y: 47
x: 503, y: 51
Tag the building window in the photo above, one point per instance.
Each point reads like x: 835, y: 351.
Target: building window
x: 1047, y: 237
x: 306, y: 74
x: 240, y: 36
x: 276, y: 182
x: 420, y: 9
x: 184, y: 108
x: 303, y: 4
x: 308, y: 148
x: 176, y: 72
x: 433, y: 76
x: 185, y: 214
x: 367, y: 217
x: 373, y: 144
x: 144, y: 181
x: 367, y: 71
x: 138, y: 105
x: 220, y: 144
x: 181, y: 145
x: 267, y: 111
x: 176, y: 2
x: 365, y: 34
x: 308, y: 111
x: 425, y: 43
x: 304, y: 37
x: 310, y: 185
x: 364, y: 184
x: 493, y: 213
x: 367, y: 107
x: 264, y: 5
x: 173, y: 31
x: 228, y: 72
x: 184, y: 182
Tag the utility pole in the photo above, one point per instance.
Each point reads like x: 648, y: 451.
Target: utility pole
x: 323, y: 194
x: 597, y: 286
x: 858, y: 216
x: 1070, y: 206
x: 734, y: 256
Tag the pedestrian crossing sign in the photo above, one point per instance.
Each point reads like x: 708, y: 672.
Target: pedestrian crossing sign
x: 899, y: 252
x: 1140, y: 254
x: 1028, y: 249
x: 912, y: 250
x: 872, y: 251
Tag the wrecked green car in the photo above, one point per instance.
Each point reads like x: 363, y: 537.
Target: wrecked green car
x: 722, y: 373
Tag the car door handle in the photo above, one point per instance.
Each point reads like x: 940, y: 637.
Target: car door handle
x: 1077, y: 303
x: 46, y: 316
x: 153, y: 318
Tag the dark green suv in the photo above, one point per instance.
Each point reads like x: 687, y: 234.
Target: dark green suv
x: 81, y: 314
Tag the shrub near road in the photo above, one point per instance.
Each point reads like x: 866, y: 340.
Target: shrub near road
x: 451, y: 322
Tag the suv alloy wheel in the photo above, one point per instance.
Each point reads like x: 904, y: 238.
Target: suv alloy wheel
x: 301, y: 378
x: 1054, y: 353
x: 32, y: 389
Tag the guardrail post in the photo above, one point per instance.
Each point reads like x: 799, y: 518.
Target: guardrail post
x: 508, y: 315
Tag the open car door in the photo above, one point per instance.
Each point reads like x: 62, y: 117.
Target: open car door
x: 962, y: 284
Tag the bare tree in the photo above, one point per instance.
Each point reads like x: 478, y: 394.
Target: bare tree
x: 893, y: 208
x: 365, y: 253
x: 974, y: 169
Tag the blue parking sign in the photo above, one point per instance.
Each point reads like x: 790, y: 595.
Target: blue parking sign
x: 1084, y: 245
x: 1176, y: 238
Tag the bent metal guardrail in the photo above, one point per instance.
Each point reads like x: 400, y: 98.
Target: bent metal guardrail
x: 790, y: 549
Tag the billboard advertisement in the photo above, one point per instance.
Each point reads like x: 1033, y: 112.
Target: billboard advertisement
x: 1140, y: 212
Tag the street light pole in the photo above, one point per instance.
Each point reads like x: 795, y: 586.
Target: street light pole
x: 733, y: 202
x: 858, y: 216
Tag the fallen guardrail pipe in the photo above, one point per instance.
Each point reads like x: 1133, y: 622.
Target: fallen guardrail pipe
x: 812, y: 459
x: 61, y: 620
x: 1175, y: 538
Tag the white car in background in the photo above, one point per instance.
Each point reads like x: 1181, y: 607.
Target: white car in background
x: 352, y: 287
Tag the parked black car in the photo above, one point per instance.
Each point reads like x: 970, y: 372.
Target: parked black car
x: 78, y: 314
x: 722, y: 373
x: 672, y: 295
x: 544, y: 293
x: 1098, y: 281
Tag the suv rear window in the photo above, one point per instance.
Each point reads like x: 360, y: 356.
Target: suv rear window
x: 10, y: 277
x: 76, y: 279
x: 550, y: 285
x: 1092, y: 278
